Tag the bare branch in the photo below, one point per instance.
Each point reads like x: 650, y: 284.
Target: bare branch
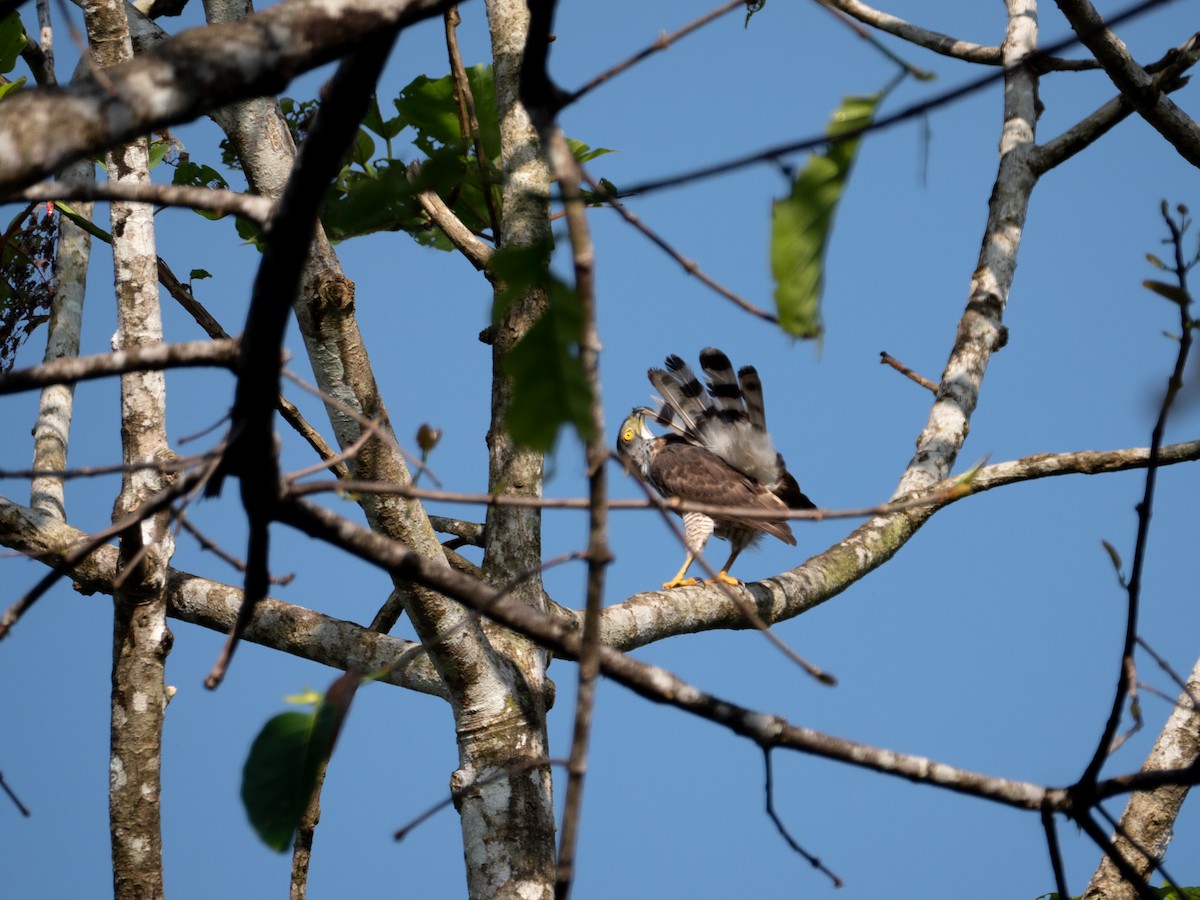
x: 1134, y: 82
x: 887, y: 360
x: 148, y: 358
x: 476, y: 251
x: 200, y: 69
x: 1126, y: 672
x: 251, y: 206
x: 664, y: 42
x: 209, y: 604
x: 1168, y: 77
x: 689, y: 265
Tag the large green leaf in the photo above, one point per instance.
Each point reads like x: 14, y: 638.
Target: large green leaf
x: 285, y: 761
x: 12, y: 40
x: 428, y: 106
x: 801, y: 222
x: 549, y: 386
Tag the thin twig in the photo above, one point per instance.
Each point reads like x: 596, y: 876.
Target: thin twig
x: 1180, y: 682
x: 468, y: 121
x: 1056, y: 863
x: 206, y: 543
x: 886, y: 359
x: 21, y: 807
x: 1033, y: 62
x: 769, y: 790
x: 1042, y: 465
x: 689, y: 265
x: 663, y: 43
x: 736, y: 596
x: 455, y: 795
x: 1126, y: 675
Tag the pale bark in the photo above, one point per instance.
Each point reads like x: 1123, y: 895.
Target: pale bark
x: 51, y: 431
x: 141, y: 639
x: 199, y: 70
x: 1149, y: 818
x: 1134, y: 82
x: 981, y: 330
x: 508, y: 823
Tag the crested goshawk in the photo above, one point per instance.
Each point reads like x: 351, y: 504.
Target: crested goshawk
x: 717, y: 452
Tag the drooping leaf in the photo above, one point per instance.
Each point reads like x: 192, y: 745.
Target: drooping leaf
x: 550, y: 388
x: 285, y: 761
x: 753, y: 6
x: 12, y: 41
x: 802, y: 221
x: 199, y: 274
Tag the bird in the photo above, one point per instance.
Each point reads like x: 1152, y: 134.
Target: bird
x: 716, y: 451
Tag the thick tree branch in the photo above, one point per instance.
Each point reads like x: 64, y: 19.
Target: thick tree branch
x: 980, y: 331
x: 1134, y: 82
x: 199, y: 70
x: 209, y: 604
x: 50, y: 432
x: 148, y: 358
x: 1168, y: 78
x: 141, y: 639
x: 660, y: 686
x: 1149, y: 815
x: 251, y: 206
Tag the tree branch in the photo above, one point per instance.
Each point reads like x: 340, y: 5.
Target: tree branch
x: 1134, y: 82
x: 200, y: 69
x: 146, y: 358
x: 253, y: 207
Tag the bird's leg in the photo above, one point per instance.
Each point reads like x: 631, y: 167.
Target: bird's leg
x: 679, y: 580
x: 723, y: 577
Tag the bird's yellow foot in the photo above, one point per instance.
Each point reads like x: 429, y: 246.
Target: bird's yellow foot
x: 680, y: 582
x: 725, y: 578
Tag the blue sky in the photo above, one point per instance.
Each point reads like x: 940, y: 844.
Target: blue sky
x: 990, y: 642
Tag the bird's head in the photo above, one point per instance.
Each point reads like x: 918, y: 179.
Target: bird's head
x: 630, y: 437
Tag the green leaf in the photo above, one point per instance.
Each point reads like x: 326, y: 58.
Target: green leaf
x: 11, y: 86
x: 157, y: 150
x: 190, y: 174
x: 12, y: 41
x: 249, y: 232
x: 549, y: 386
x: 363, y: 148
x: 429, y: 107
x: 198, y: 274
x: 802, y: 221
x: 375, y: 122
x: 285, y: 761
x: 583, y: 153
x: 753, y: 6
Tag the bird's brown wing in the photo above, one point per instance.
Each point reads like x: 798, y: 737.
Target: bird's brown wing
x: 682, y: 470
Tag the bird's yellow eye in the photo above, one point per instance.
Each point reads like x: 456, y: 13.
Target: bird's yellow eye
x: 627, y: 435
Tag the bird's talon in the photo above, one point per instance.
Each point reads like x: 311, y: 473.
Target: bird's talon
x: 685, y: 582
x: 724, y: 578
